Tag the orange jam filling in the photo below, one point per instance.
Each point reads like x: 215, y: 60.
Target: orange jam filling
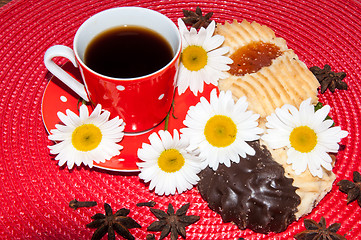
x: 252, y: 57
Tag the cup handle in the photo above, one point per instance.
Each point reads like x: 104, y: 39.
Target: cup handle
x: 64, y: 51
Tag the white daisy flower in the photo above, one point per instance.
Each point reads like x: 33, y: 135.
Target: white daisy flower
x: 84, y: 138
x: 307, y: 135
x: 167, y: 165
x: 202, y: 60
x: 221, y: 128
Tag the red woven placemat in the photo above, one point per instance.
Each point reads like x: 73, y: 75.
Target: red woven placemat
x: 35, y: 192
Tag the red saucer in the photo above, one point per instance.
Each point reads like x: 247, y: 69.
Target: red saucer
x: 58, y: 97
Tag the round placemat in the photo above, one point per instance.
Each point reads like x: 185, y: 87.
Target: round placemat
x: 35, y: 191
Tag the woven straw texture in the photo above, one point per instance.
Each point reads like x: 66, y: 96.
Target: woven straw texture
x: 35, y: 191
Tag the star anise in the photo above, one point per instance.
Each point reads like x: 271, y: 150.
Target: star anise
x: 329, y: 79
x: 196, y: 19
x: 319, y: 231
x: 75, y: 204
x: 352, y: 189
x: 146, y: 204
x: 108, y: 223
x: 173, y: 223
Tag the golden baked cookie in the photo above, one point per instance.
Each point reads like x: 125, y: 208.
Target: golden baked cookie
x: 269, y: 80
x: 264, y: 69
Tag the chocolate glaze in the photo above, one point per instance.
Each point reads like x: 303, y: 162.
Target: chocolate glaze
x: 253, y: 193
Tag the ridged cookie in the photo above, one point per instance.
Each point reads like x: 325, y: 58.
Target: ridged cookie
x: 287, y: 80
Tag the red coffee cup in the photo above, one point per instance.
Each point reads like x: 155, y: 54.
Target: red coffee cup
x: 142, y: 102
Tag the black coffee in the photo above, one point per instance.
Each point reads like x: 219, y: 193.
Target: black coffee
x: 128, y: 52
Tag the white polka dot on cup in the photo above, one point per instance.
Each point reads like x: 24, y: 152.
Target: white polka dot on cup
x: 63, y: 99
x: 161, y: 97
x: 120, y: 88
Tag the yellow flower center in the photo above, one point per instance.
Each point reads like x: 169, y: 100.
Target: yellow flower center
x: 303, y: 139
x: 86, y: 137
x: 220, y: 131
x: 194, y: 58
x: 171, y: 160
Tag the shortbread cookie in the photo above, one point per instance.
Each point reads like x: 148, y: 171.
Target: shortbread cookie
x: 281, y: 79
x: 267, y: 84
x: 286, y: 80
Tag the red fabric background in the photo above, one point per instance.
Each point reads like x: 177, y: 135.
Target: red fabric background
x: 35, y: 192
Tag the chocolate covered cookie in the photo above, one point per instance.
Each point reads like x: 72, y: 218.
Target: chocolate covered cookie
x: 253, y: 193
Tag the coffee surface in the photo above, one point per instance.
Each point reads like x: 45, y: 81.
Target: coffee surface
x: 128, y: 52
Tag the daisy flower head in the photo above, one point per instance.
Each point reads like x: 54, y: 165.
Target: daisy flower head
x: 202, y: 58
x: 167, y: 165
x: 84, y: 138
x: 221, y: 128
x: 307, y: 134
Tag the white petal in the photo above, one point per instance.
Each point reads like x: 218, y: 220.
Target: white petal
x: 83, y: 113
x: 213, y: 43
x: 182, y: 27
